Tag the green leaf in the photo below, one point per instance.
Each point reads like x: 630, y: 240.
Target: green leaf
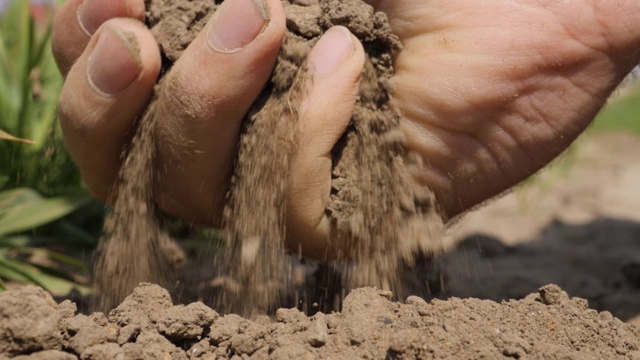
x: 25, y: 97
x: 12, y: 275
x: 30, y: 84
x: 24, y: 209
x: 7, y: 112
x: 9, y: 242
x: 53, y: 284
x: 3, y: 287
x: 42, y: 46
x: 18, y: 271
x: 15, y: 197
x: 16, y: 32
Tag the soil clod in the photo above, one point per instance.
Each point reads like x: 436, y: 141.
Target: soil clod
x: 370, y: 326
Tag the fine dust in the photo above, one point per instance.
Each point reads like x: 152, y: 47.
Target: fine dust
x: 379, y: 217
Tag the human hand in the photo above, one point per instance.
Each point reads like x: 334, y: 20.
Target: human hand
x: 493, y: 91
x: 111, y: 64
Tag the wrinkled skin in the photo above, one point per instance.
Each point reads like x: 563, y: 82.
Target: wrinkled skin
x: 490, y: 93
x: 493, y: 91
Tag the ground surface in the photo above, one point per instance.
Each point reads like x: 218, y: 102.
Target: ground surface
x: 547, y: 325
x: 578, y: 225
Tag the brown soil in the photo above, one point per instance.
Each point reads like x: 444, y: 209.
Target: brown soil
x: 379, y: 217
x: 547, y: 325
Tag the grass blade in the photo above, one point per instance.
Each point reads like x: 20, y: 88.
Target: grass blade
x: 17, y: 271
x: 41, y: 47
x: 7, y: 111
x: 53, y: 284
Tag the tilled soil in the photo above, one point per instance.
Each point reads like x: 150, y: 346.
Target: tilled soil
x: 547, y: 325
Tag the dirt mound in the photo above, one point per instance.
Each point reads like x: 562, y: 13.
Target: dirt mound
x: 547, y: 325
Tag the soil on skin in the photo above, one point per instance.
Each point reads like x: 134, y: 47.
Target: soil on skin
x: 546, y: 325
x: 378, y: 216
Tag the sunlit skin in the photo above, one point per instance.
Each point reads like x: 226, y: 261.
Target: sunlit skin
x: 490, y: 92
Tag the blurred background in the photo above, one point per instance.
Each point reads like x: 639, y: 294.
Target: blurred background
x: 576, y: 223
x: 49, y: 225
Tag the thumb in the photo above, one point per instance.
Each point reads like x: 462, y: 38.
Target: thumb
x: 335, y: 65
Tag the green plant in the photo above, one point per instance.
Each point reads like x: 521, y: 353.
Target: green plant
x: 40, y: 187
x: 29, y: 87
x: 24, y: 213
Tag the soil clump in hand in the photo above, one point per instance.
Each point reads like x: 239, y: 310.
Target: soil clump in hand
x: 379, y: 217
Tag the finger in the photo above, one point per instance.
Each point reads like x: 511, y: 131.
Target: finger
x: 78, y: 20
x: 105, y: 91
x: 335, y: 66
x: 206, y: 95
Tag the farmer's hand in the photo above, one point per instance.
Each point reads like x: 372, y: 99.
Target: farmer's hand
x: 491, y: 91
x: 111, y: 65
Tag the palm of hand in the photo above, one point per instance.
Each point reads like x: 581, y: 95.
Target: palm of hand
x: 491, y: 92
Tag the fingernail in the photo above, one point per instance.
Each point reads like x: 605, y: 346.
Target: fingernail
x: 236, y: 23
x: 331, y: 51
x: 115, y: 61
x: 93, y: 13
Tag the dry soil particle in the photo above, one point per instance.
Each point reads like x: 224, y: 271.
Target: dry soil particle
x: 30, y: 321
x: 547, y: 325
x: 379, y: 216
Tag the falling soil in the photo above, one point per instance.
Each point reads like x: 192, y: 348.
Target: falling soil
x: 546, y: 325
x: 379, y: 217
